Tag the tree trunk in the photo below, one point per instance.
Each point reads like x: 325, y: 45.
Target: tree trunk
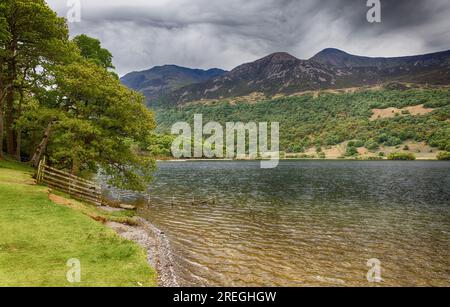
x: 42, y: 147
x: 75, y: 164
x: 18, y: 145
x: 10, y: 135
x: 2, y: 91
x: 10, y: 91
x: 18, y: 130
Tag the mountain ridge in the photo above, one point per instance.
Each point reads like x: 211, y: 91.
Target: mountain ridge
x: 283, y: 73
x: 159, y: 81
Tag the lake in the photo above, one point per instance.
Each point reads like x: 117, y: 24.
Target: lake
x: 305, y: 223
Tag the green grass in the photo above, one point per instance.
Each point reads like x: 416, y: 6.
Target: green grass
x: 38, y: 237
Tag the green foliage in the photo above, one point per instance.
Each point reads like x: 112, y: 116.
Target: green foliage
x: 99, y: 124
x: 372, y: 145
x: 401, y: 156
x: 105, y: 125
x: 351, y: 151
x: 444, y: 156
x: 32, y: 34
x: 330, y: 119
x: 160, y: 145
x: 91, y: 48
x: 95, y: 123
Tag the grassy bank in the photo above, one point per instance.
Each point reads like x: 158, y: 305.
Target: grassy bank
x: 38, y: 237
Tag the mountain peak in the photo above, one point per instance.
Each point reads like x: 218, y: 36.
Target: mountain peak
x: 280, y: 57
x: 332, y: 51
x: 339, y: 58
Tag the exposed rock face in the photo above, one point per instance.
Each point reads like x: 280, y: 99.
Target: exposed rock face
x: 282, y: 73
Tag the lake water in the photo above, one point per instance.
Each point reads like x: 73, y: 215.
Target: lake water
x: 306, y: 223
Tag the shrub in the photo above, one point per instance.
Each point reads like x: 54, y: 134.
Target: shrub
x: 393, y: 141
x: 444, y: 156
x: 402, y: 156
x: 359, y: 144
x: 372, y: 145
x: 351, y: 151
x: 374, y: 158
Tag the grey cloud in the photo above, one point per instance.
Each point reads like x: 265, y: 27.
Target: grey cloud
x: 224, y: 34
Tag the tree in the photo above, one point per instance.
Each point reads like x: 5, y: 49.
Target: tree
x: 3, y: 37
x: 91, y: 122
x: 91, y: 48
x: 31, y: 36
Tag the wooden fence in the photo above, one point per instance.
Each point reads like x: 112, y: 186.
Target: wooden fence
x: 77, y: 187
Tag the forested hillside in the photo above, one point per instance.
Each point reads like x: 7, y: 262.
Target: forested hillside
x: 328, y: 119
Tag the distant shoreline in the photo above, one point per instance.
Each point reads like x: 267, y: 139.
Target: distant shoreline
x: 287, y: 159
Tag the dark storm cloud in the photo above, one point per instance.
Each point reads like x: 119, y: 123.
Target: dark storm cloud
x: 217, y: 33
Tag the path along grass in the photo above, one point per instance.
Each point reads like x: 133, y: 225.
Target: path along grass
x: 38, y: 237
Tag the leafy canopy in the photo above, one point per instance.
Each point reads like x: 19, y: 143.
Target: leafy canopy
x: 90, y: 48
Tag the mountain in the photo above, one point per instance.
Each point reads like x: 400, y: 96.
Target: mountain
x: 160, y: 81
x: 339, y: 58
x: 282, y: 73
x: 276, y: 73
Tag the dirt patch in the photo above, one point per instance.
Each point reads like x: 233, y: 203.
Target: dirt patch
x: 362, y: 151
x: 393, y: 112
x: 335, y: 152
x: 60, y: 200
x: 73, y: 204
x: 111, y: 209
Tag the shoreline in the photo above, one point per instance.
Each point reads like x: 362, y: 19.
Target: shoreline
x: 288, y: 159
x: 61, y: 222
x: 156, y: 245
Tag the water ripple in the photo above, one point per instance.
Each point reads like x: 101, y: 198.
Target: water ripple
x: 305, y: 223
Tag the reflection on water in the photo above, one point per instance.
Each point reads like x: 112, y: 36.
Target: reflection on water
x: 305, y: 223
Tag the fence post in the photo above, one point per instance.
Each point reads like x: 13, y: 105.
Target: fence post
x: 66, y: 182
x: 39, y: 170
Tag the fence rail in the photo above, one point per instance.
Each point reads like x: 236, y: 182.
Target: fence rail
x: 75, y: 186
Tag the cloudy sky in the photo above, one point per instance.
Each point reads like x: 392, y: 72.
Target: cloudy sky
x: 217, y: 33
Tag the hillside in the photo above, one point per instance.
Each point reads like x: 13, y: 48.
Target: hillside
x: 283, y: 74
x: 276, y: 73
x: 163, y: 80
x: 378, y: 120
x: 341, y: 59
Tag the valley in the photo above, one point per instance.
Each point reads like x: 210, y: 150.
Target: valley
x: 377, y: 105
